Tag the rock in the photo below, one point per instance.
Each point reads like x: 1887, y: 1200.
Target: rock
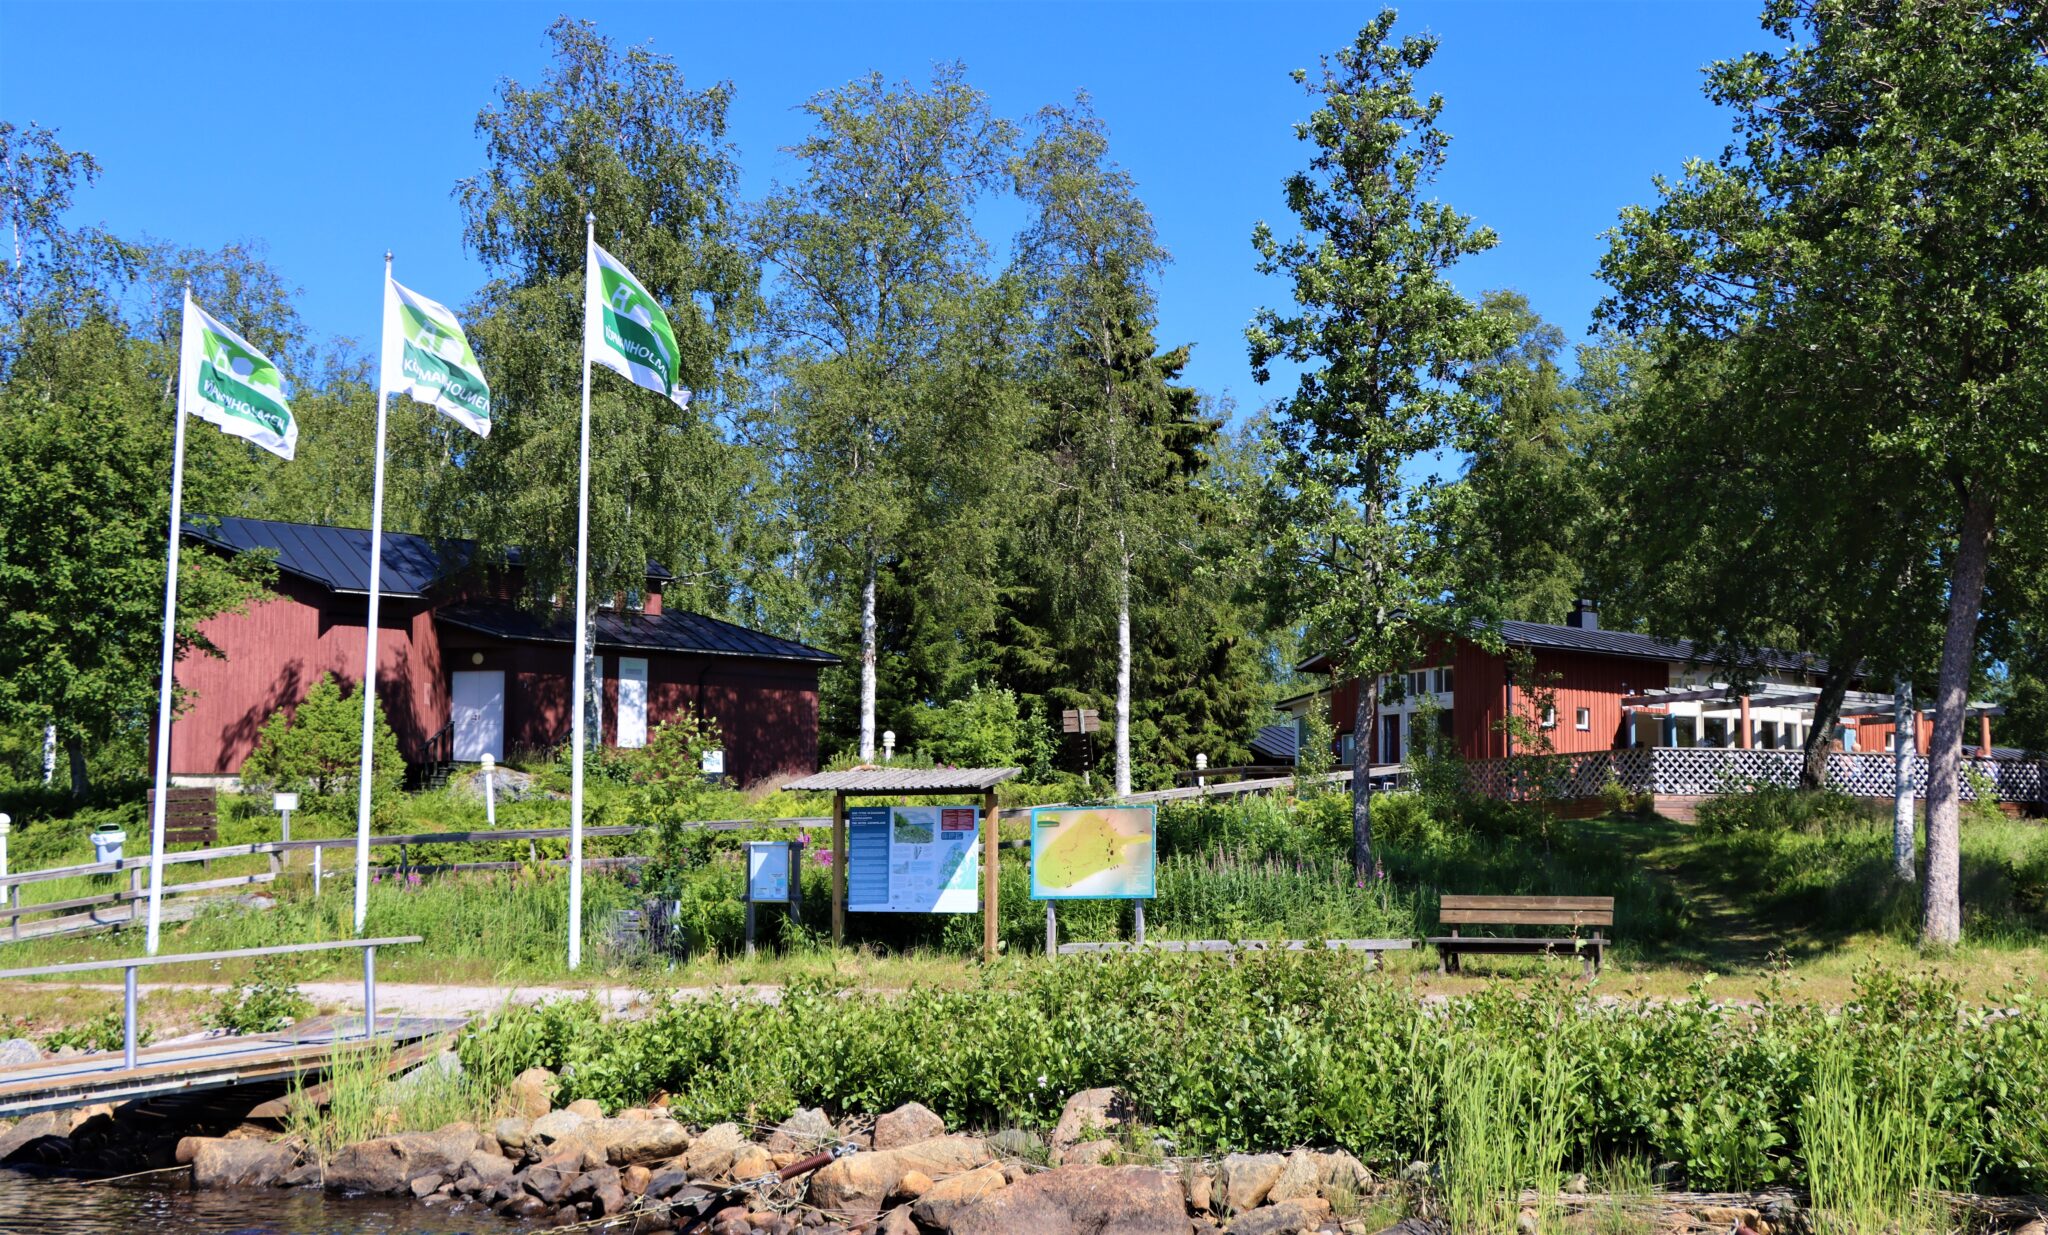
x: 913, y: 1184
x: 17, y: 1051
x: 939, y: 1204
x: 627, y: 1141
x: 1296, y: 1217
x: 803, y: 1132
x: 1248, y: 1178
x: 222, y: 1163
x: 426, y: 1185
x: 1089, y: 1153
x: 860, y: 1183
x: 511, y: 1132
x: 712, y: 1154
x: 1576, y: 1185
x: 1089, y: 1116
x: 533, y: 1092
x: 490, y: 1169
x: 634, y: 1179
x: 552, y: 1127
x: 1526, y: 1223
x: 586, y: 1107
x: 1726, y: 1216
x: 907, y: 1125
x: 551, y: 1178
x: 1300, y: 1176
x: 446, y: 1066
x: 896, y: 1222
x: 525, y: 1205
x: 1341, y: 1175
x: 24, y: 1135
x: 1017, y: 1143
x: 751, y: 1162
x: 305, y: 1175
x: 2035, y: 1227
x: 1195, y: 1182
x: 663, y: 1184
x: 388, y: 1164
x: 1081, y: 1200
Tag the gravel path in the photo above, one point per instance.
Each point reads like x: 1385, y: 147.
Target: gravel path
x: 430, y: 999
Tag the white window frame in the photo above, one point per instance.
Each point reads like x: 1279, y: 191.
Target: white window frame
x: 1550, y: 717
x: 1583, y: 721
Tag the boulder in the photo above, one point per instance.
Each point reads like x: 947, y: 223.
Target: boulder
x: 1089, y: 1153
x: 667, y: 1183
x: 711, y: 1154
x: 511, y: 1132
x: 533, y: 1092
x: 426, y: 1186
x: 1081, y: 1200
x: 907, y: 1125
x: 490, y: 1169
x: 939, y: 1204
x: 1297, y: 1217
x: 896, y: 1222
x: 17, y: 1051
x: 586, y: 1107
x: 627, y: 1141
x: 913, y: 1184
x: 1091, y: 1115
x: 860, y: 1183
x: 751, y: 1162
x: 804, y: 1132
x: 221, y: 1163
x: 1248, y: 1178
x: 552, y: 1127
x: 389, y: 1164
x: 1300, y: 1176
x: 551, y: 1178
x: 445, y: 1066
x: 635, y: 1179
x: 1195, y: 1181
x: 31, y: 1129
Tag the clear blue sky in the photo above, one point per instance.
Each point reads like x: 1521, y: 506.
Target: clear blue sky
x: 333, y: 132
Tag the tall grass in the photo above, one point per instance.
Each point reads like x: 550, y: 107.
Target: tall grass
x: 1871, y: 1160
x: 1507, y: 1127
x: 358, y: 1098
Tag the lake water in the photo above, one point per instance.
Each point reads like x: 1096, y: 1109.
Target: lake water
x: 43, y: 1205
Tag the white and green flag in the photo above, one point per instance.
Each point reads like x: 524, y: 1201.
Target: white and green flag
x: 625, y: 330
x: 230, y: 383
x: 427, y: 356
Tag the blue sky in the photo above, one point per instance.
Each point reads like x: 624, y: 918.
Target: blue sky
x: 333, y: 132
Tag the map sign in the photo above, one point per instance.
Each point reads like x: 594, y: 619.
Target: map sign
x: 1093, y: 852
x: 768, y: 870
x: 912, y: 859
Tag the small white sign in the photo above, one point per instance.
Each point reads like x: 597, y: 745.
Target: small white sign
x: 284, y: 801
x: 714, y: 763
x: 767, y: 871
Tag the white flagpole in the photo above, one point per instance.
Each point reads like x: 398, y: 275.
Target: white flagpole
x: 368, y: 689
x: 582, y: 627
x: 166, y: 686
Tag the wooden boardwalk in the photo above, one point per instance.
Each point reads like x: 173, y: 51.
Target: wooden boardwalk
x: 303, y: 1050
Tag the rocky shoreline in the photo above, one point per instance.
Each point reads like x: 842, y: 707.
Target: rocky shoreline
x: 903, y: 1173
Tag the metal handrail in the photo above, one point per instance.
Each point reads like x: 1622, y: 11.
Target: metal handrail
x: 130, y: 964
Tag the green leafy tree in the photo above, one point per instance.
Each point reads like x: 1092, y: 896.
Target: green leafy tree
x: 896, y: 415
x: 1870, y: 244
x: 316, y: 747
x: 1383, y: 344
x: 619, y: 134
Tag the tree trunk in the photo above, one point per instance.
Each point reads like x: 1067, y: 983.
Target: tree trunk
x: 867, y: 661
x: 1123, y: 670
x: 81, y: 780
x: 49, y: 753
x: 1902, y: 780
x: 593, y: 685
x: 1827, y: 710
x: 1941, y: 909
x: 1362, y: 733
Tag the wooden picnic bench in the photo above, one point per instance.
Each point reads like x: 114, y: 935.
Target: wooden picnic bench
x: 1572, y: 911
x: 191, y: 816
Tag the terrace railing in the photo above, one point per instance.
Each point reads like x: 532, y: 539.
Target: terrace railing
x: 1702, y: 771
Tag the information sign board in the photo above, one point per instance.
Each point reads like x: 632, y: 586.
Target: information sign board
x: 912, y: 859
x: 1094, y: 852
x: 768, y: 872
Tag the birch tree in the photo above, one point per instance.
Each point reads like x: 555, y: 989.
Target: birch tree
x: 1383, y: 345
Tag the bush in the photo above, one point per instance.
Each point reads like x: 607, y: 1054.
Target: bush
x: 1768, y: 808
x: 317, y: 747
x: 983, y: 730
x: 267, y: 1003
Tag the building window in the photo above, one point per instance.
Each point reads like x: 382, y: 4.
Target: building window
x: 1418, y: 683
x: 1443, y: 679
x: 1585, y: 721
x: 1891, y: 741
x: 1550, y: 718
x: 1345, y: 749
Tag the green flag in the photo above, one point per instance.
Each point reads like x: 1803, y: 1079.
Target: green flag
x: 233, y: 385
x: 427, y: 356
x: 625, y: 330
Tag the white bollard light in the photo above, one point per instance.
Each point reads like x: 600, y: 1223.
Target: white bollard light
x: 490, y: 791
x: 888, y: 745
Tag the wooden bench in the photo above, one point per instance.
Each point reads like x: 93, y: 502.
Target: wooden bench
x: 191, y: 816
x: 1571, y: 911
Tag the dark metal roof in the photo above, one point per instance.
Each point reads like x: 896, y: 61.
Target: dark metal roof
x: 906, y: 780
x: 338, y: 558
x: 1276, y: 742
x: 673, y: 630
x: 1628, y: 644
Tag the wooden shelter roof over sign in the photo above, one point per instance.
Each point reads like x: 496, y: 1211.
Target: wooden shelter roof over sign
x: 906, y: 780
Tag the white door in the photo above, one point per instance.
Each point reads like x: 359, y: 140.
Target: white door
x: 479, y: 715
x: 632, y: 701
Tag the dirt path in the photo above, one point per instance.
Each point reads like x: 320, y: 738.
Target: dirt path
x: 432, y: 999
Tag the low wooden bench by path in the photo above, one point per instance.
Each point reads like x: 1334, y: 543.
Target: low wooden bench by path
x: 191, y: 816
x: 1575, y: 912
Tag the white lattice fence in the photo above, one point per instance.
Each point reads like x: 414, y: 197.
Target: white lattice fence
x: 1702, y: 771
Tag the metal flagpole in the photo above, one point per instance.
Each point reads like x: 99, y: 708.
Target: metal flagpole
x: 368, y: 689
x: 582, y: 627
x: 166, y: 687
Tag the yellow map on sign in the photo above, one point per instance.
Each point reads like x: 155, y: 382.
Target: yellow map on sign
x: 1104, y: 851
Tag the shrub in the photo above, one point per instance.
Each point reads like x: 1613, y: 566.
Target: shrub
x: 983, y: 730
x: 317, y: 747
x: 267, y: 1003
x: 1769, y: 808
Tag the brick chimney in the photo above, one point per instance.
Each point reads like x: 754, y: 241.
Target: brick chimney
x: 650, y: 603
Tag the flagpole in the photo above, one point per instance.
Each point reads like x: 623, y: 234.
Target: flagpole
x: 368, y: 689
x: 166, y: 686
x: 580, y: 674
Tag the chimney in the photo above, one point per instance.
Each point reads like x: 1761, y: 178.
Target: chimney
x: 650, y: 604
x: 1584, y: 616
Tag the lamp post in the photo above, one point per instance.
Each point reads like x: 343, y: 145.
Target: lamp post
x: 6, y: 826
x: 888, y: 744
x: 490, y: 795
x: 1201, y: 767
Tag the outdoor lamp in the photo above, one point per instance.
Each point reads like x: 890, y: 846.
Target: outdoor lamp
x: 888, y: 745
x: 490, y: 798
x: 6, y: 826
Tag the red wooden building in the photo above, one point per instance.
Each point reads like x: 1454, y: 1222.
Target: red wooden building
x: 1609, y: 690
x: 464, y: 670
